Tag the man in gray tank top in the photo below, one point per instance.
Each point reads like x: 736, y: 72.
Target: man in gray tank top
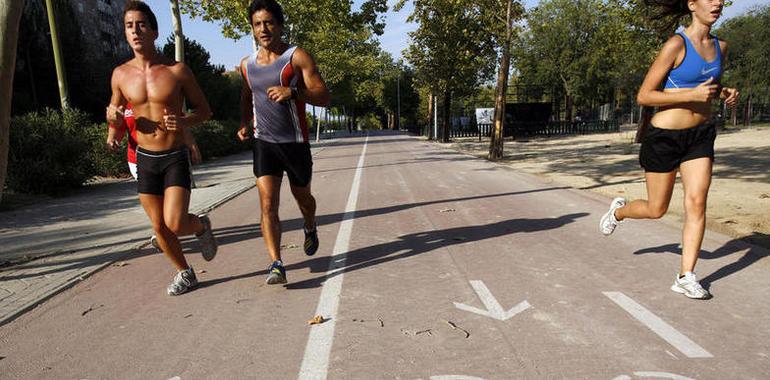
x: 278, y: 80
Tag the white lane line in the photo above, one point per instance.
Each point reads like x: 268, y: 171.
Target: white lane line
x: 659, y: 326
x: 315, y: 364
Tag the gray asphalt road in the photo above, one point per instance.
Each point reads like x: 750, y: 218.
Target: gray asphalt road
x: 435, y: 266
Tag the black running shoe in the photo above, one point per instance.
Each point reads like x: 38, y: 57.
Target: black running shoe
x: 311, y: 241
x: 276, y: 274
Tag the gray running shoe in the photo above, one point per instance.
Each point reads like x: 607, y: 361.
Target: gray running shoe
x: 276, y: 274
x: 154, y: 243
x: 690, y: 287
x: 184, y: 281
x: 608, y: 223
x: 207, y: 240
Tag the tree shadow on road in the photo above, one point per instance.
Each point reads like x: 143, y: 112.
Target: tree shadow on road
x: 418, y: 243
x: 413, y: 244
x: 753, y: 254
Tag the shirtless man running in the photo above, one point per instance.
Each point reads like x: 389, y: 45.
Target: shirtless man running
x: 156, y: 86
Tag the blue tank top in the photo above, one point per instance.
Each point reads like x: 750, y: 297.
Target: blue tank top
x: 694, y: 70
x: 276, y: 122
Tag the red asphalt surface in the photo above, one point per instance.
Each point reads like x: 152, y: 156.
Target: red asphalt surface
x: 427, y: 222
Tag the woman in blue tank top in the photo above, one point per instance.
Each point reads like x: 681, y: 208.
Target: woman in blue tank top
x: 682, y: 82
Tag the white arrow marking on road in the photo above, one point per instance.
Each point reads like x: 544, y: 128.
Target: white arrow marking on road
x: 455, y: 377
x: 494, y: 310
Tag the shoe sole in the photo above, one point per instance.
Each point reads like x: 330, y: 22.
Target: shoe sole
x: 275, y: 280
x: 313, y: 252
x: 207, y: 228
x: 184, y: 292
x: 606, y: 216
x: 601, y: 224
x: 679, y: 290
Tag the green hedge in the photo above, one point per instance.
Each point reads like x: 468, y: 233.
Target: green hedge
x: 49, y: 151
x: 52, y: 151
x: 218, y: 139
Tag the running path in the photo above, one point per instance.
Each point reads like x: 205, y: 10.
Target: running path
x: 436, y: 239
x: 119, y: 323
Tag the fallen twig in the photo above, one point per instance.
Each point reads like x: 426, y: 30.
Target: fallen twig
x: 455, y: 327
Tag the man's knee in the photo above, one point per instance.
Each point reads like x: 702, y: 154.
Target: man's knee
x: 175, y: 225
x: 269, y: 206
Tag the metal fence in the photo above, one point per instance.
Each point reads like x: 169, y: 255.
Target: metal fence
x: 553, y: 128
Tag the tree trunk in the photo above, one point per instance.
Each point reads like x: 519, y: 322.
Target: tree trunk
x: 57, y: 55
x: 496, y: 142
x: 10, y: 15
x: 430, y: 117
x: 447, y: 122
x: 176, y: 21
x: 568, y: 109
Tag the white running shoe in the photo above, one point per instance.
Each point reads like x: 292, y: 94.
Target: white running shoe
x: 690, y: 287
x: 184, y: 281
x: 154, y: 243
x: 608, y: 223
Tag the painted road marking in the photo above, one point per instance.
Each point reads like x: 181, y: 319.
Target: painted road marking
x: 654, y: 375
x: 315, y: 364
x: 494, y: 309
x: 455, y: 377
x: 658, y: 326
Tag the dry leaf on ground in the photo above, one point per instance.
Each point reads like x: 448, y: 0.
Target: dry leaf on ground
x: 316, y: 320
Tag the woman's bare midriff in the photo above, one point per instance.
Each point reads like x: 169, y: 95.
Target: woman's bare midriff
x: 681, y: 116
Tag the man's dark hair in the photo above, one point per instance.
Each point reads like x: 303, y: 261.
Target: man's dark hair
x: 271, y: 6
x: 140, y: 6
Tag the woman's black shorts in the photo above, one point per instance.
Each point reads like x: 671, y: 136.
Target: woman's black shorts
x: 292, y: 158
x: 663, y: 150
x: 159, y: 170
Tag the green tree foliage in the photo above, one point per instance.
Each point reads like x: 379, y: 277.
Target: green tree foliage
x: 748, y: 61
x: 222, y: 91
x: 340, y: 39
x: 450, y: 50
x: 576, y: 48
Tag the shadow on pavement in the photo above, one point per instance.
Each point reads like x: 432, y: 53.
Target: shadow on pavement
x: 412, y: 245
x: 753, y: 254
x: 422, y: 242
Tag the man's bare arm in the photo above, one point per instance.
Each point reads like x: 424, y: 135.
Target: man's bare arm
x: 115, y: 136
x: 117, y: 104
x: 247, y: 112
x: 199, y: 106
x: 315, y: 91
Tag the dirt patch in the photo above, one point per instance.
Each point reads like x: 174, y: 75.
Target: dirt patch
x: 739, y: 199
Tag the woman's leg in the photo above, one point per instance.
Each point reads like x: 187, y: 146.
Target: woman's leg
x: 696, y: 180
x: 659, y: 189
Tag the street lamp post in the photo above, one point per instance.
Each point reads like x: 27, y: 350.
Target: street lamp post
x: 398, y: 100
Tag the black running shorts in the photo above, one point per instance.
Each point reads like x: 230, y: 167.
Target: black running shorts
x: 292, y: 158
x: 159, y: 170
x: 663, y: 150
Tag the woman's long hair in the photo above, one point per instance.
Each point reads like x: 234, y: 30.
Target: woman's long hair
x: 667, y: 14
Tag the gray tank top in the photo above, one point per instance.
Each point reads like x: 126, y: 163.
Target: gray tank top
x: 276, y: 122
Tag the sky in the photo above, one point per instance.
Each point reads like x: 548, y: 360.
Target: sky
x: 228, y: 52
